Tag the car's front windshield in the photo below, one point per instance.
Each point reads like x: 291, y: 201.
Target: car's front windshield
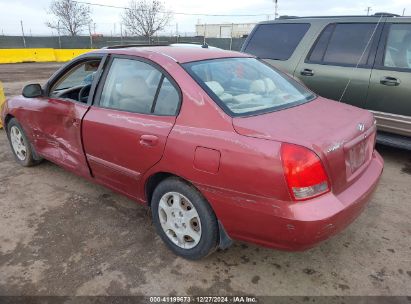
x: 244, y: 86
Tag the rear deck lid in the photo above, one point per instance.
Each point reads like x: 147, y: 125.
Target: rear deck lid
x: 343, y: 136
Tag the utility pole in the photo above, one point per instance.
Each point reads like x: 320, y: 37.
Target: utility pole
x: 231, y: 36
x: 91, y: 36
x: 177, y: 32
x: 22, y: 32
x: 369, y: 9
x: 275, y: 9
x: 205, y: 33
x: 403, y: 12
x: 121, y: 33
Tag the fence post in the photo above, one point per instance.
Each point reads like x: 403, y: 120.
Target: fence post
x: 205, y: 33
x: 91, y: 37
x: 177, y: 32
x: 22, y: 32
x: 58, y: 33
x: 231, y: 36
x: 121, y: 33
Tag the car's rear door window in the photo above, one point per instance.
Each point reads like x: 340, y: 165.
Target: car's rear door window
x: 345, y: 44
x: 318, y: 50
x: 136, y: 86
x: 276, y: 41
x: 398, y: 48
x: 167, y: 100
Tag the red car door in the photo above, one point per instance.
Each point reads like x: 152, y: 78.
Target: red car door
x: 57, y: 122
x: 126, y: 130
x: 58, y: 138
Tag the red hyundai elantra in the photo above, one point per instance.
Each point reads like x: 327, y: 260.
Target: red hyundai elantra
x: 220, y: 145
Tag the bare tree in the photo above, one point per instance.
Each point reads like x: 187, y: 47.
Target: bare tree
x: 145, y: 17
x: 71, y: 17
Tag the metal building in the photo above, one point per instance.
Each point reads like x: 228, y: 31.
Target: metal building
x: 224, y: 30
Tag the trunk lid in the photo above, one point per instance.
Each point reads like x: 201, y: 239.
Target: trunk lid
x: 342, y: 136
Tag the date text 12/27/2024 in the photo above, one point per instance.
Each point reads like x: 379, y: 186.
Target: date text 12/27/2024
x: 204, y: 299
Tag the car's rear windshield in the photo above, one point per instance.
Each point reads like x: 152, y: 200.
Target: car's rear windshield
x: 247, y: 86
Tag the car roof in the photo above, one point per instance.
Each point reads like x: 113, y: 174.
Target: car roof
x: 342, y: 18
x: 178, y: 54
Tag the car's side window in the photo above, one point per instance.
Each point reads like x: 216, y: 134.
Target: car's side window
x: 317, y: 52
x: 167, y: 100
x: 276, y: 41
x: 398, y: 48
x: 346, y: 44
x: 136, y: 86
x: 81, y: 76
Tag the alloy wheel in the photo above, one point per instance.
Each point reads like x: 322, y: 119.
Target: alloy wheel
x: 18, y: 143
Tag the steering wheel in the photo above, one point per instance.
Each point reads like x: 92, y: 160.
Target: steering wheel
x: 82, y: 97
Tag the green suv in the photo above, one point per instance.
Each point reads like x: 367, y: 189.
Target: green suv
x: 360, y: 60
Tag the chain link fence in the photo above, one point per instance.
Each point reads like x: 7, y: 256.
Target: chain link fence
x: 95, y: 42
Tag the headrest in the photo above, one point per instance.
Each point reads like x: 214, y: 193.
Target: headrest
x: 133, y: 87
x: 215, y: 87
x: 258, y: 87
x: 269, y: 85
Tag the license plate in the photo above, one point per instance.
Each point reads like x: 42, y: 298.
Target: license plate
x: 357, y: 155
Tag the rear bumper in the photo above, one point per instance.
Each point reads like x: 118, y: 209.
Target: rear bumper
x: 294, y: 226
x: 393, y: 123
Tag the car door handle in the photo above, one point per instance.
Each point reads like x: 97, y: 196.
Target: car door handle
x: 390, y: 81
x: 148, y: 140
x: 307, y: 72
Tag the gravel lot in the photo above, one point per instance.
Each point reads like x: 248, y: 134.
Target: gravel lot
x: 62, y: 235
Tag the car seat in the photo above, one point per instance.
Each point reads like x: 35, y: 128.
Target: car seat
x: 134, y: 95
x: 219, y: 91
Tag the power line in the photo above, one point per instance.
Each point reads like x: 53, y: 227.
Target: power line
x: 176, y: 13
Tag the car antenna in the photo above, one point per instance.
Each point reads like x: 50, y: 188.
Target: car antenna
x: 205, y: 45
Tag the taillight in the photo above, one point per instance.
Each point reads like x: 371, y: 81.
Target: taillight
x: 304, y: 172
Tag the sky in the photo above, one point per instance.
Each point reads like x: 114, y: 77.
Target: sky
x: 34, y: 13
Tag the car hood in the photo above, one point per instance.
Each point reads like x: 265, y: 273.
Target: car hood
x: 327, y: 127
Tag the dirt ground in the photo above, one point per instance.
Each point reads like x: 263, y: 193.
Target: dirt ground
x: 62, y: 235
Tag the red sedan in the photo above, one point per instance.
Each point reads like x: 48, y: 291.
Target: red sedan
x: 220, y: 145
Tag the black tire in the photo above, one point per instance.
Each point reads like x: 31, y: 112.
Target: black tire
x: 29, y: 159
x: 209, y: 225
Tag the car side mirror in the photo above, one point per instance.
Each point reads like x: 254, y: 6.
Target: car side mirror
x: 32, y: 91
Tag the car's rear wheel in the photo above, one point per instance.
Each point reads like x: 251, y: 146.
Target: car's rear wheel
x: 184, y: 219
x: 20, y: 145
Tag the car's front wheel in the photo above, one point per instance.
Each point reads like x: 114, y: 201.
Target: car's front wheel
x: 20, y: 145
x: 184, y: 219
